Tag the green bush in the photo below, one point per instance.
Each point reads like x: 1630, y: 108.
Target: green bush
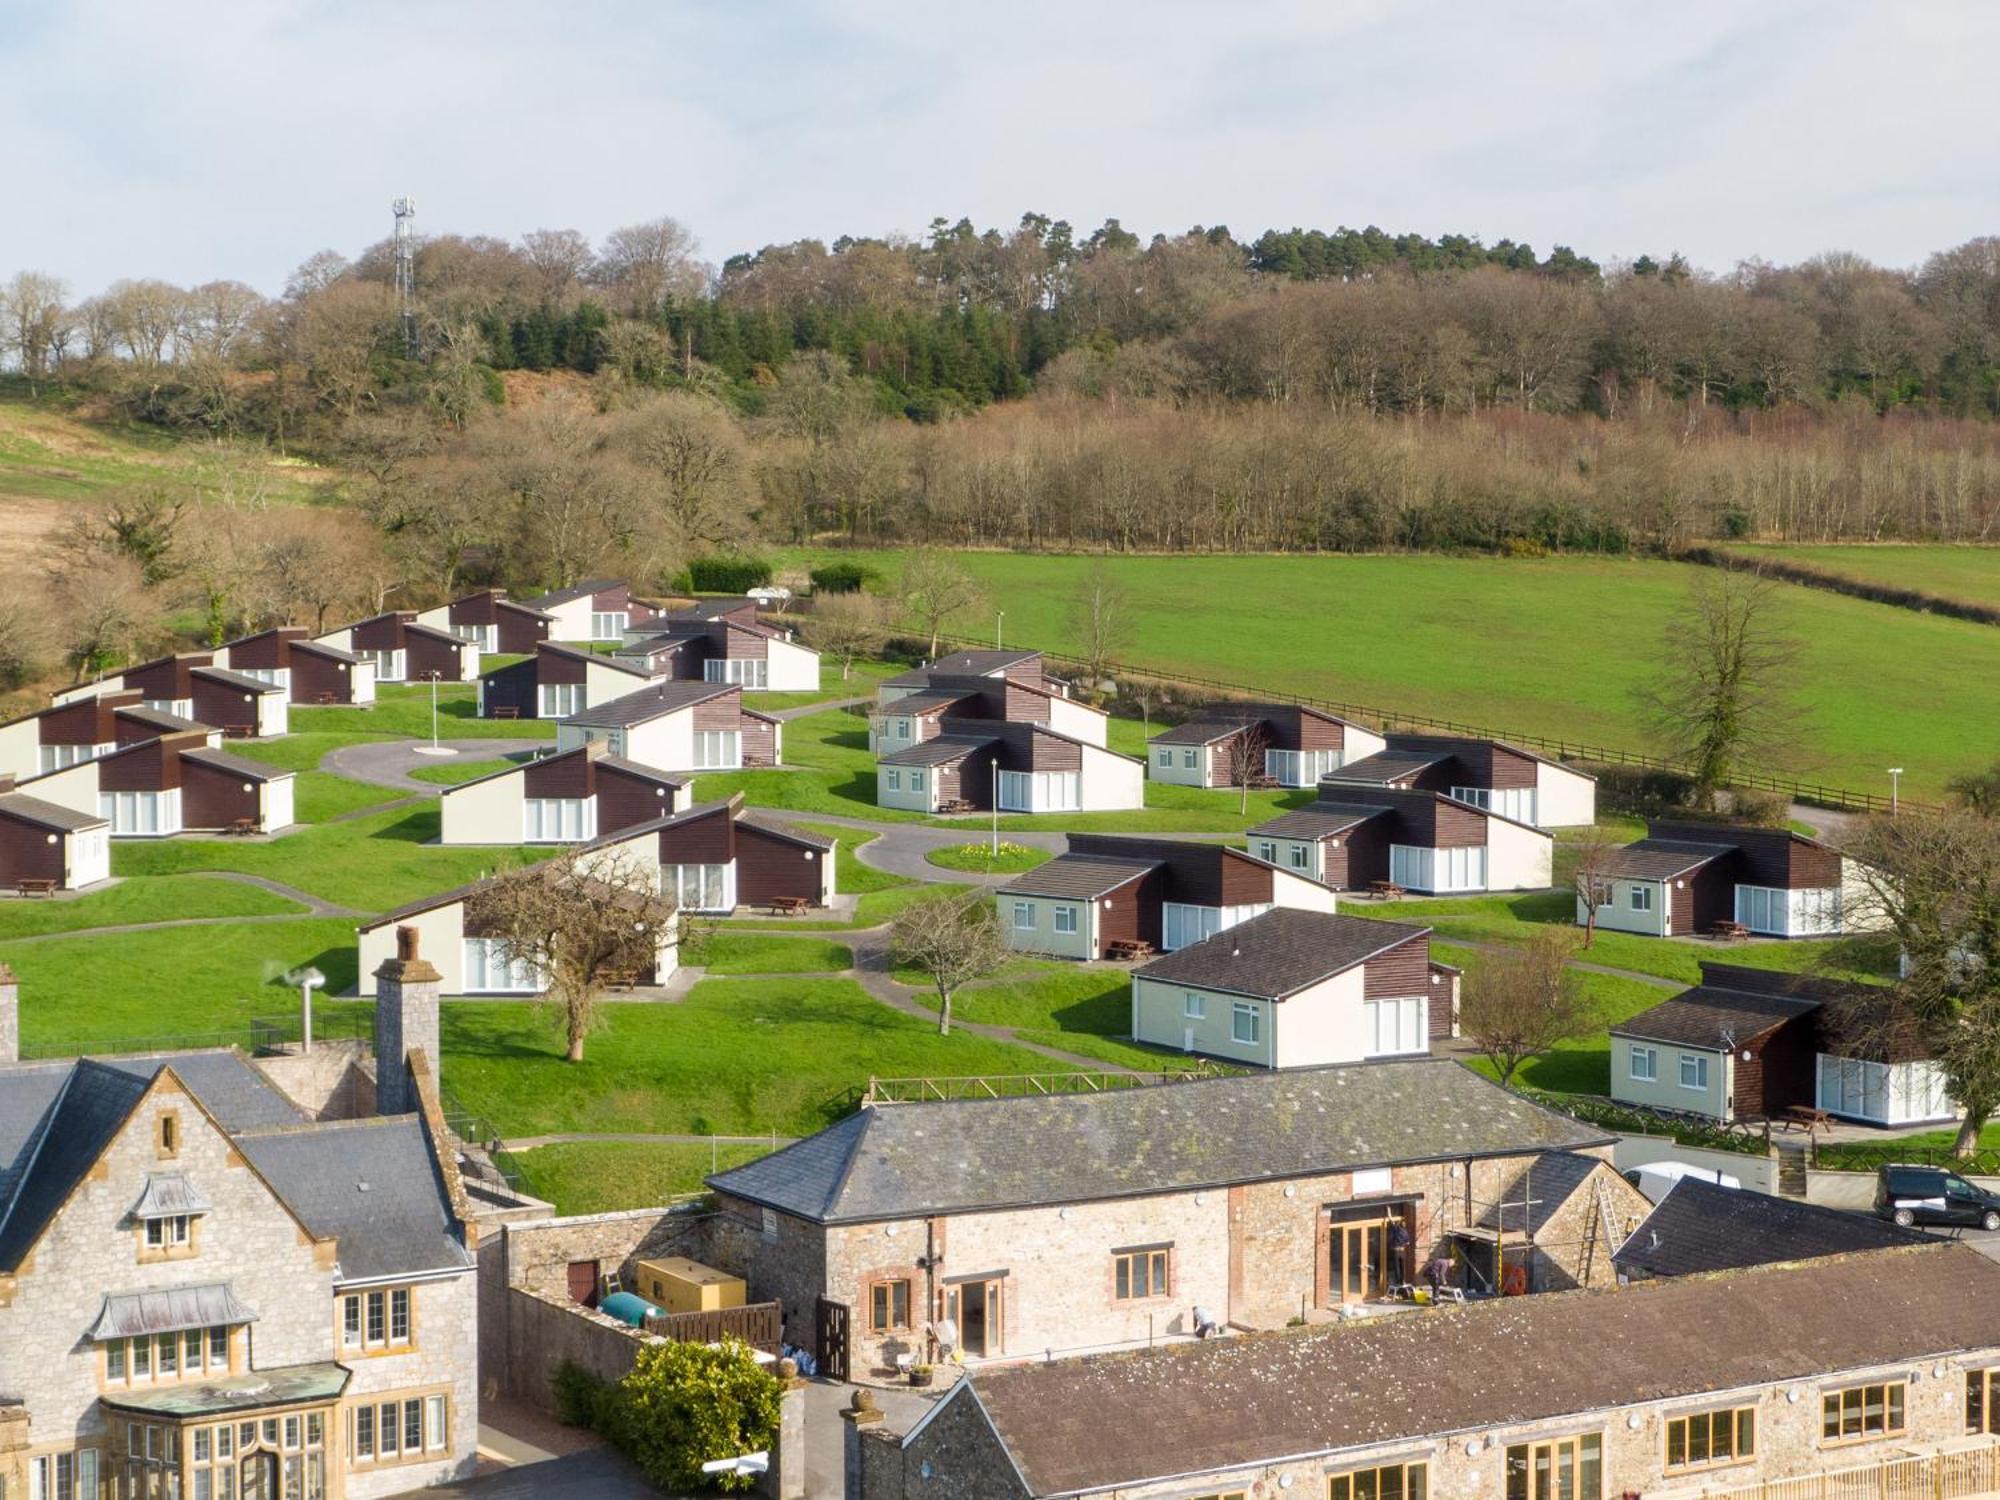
x: 727, y: 575
x: 581, y: 1398
x: 685, y: 1404
x: 843, y: 578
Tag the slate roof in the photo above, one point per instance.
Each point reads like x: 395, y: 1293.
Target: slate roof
x: 168, y: 1194
x: 1714, y: 1019
x: 963, y: 663
x: 1385, y: 766
x: 371, y: 1183
x: 648, y: 703
x: 1319, y: 820
x: 1703, y: 1226
x: 1537, y: 1191
x: 45, y: 814
x: 939, y: 750
x: 571, y: 594
x: 236, y: 680
x: 91, y: 1106
x: 1278, y: 953
x: 791, y: 832
x: 1077, y: 877
x: 1201, y: 731
x: 237, y: 765
x: 169, y: 1310
x: 1196, y: 1408
x: 1662, y: 859
x: 157, y: 718
x: 321, y: 648
x: 925, y: 701
x: 895, y: 1161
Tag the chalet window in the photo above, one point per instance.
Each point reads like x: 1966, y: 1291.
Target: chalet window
x: 1565, y: 1469
x: 1982, y: 1400
x: 1645, y: 1064
x: 491, y: 970
x: 390, y: 666
x: 893, y: 779
x: 1863, y: 1411
x: 1040, y: 791
x: 1299, y: 857
x: 1300, y: 767
x: 141, y: 813
x: 1694, y: 1070
x: 399, y: 1315
x: 902, y: 728
x: 1245, y: 1022
x: 1024, y: 916
x: 1425, y: 869
x: 552, y: 820
x: 699, y: 887
x: 1398, y: 1026
x: 1389, y: 1482
x: 916, y: 781
x: 1194, y: 1007
x: 167, y: 1234
x: 1267, y: 850
x: 607, y: 624
x: 889, y: 1306
x: 482, y: 636
x: 60, y: 757
x: 1166, y: 760
x: 1642, y: 898
x: 717, y: 749
x: 1182, y: 924
x: 1190, y: 759
x: 1065, y: 918
x: 744, y: 673
x: 558, y: 700
x: 1138, y: 1274
x: 1726, y: 1435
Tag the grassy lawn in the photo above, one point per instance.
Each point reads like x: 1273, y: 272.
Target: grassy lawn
x: 597, y: 1177
x: 861, y: 683
x: 403, y: 711
x: 979, y: 858
x: 1081, y: 1010
x: 722, y: 952
x: 1582, y: 1066
x: 458, y: 772
x: 1968, y: 574
x: 1343, y: 628
x: 737, y: 1056
x: 164, y: 899
x: 318, y: 795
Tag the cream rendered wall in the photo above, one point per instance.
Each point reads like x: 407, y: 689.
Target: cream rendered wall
x: 791, y: 668
x: 437, y: 617
x: 97, y: 689
x: 883, y: 737
x: 603, y: 682
x: 1563, y: 798
x: 1358, y: 742
x: 1618, y: 916
x: 21, y: 749
x: 665, y: 743
x: 1177, y: 774
x: 1323, y: 1024
x: 483, y: 812
x: 74, y: 787
x: 341, y: 639
x: 1159, y: 1016
x: 1077, y: 720
x: 1043, y: 937
x: 1110, y: 782
x: 571, y: 621
x: 1860, y: 909
x: 920, y: 801
x: 273, y: 715
x: 440, y: 939
x: 1291, y: 888
x: 1666, y: 1092
x: 638, y: 851
x: 1283, y: 849
x: 1518, y: 858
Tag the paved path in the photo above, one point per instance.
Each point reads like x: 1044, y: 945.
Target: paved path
x: 389, y: 762
x: 804, y: 709
x: 316, y: 906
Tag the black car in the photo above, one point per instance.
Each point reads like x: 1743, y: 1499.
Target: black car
x: 1930, y: 1195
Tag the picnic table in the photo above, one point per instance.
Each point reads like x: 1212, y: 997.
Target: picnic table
x: 1806, y: 1117
x: 1384, y: 890
x: 1729, y: 932
x: 956, y: 805
x: 504, y: 711
x: 35, y: 885
x: 787, y: 906
x: 238, y: 731
x: 1129, y: 948
x: 242, y: 828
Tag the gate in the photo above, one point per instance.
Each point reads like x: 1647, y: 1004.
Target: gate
x: 830, y: 1338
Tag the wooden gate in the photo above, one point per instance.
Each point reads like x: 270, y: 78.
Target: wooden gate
x: 830, y: 1338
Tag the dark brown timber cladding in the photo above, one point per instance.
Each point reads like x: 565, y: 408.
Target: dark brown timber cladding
x: 266, y: 651
x: 519, y: 630
x: 1366, y: 848
x: 975, y: 779
x: 608, y: 601
x: 723, y: 714
x: 565, y: 775
x: 222, y: 706
x: 739, y: 645
x: 760, y: 739
x: 1315, y: 732
x: 512, y: 686
x: 1193, y: 872
x: 428, y: 654
x: 82, y: 722
x: 1023, y: 706
x: 561, y: 667
x: 212, y: 797
x: 482, y: 608
x: 1120, y: 915
x: 1779, y: 1071
x: 164, y: 679
x: 383, y: 633
x: 1244, y: 881
x: 126, y: 731
x: 709, y: 839
x: 148, y: 767
x: 27, y: 854
x: 1680, y: 894
x: 1404, y: 970
x: 1048, y: 752
x: 1712, y: 892
x: 768, y: 866
x: 1455, y: 826
x: 314, y: 676
x: 624, y: 799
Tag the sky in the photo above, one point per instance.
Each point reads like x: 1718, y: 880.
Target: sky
x: 233, y: 138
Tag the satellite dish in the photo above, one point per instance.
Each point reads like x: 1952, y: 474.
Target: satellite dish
x: 946, y: 1332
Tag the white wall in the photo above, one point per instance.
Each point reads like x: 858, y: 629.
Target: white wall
x: 1159, y: 1016
x: 1043, y: 937
x: 341, y: 639
x: 1618, y: 915
x: 278, y: 805
x: 74, y: 787
x: 1563, y: 798
x: 88, y: 857
x: 922, y: 800
x: 1283, y: 849
x: 364, y: 681
x: 1518, y: 858
x: 571, y: 621
x: 637, y: 850
x: 665, y: 743
x: 1111, y: 782
x: 21, y: 749
x: 792, y: 668
x: 1296, y: 891
x: 1859, y: 910
x: 273, y: 714
x: 440, y: 939
x: 602, y: 682
x: 1179, y: 773
x: 1357, y: 742
x: 483, y: 812
x: 1323, y: 1024
x: 1666, y: 1092
x: 1077, y: 720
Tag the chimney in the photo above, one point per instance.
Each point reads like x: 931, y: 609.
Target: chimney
x: 10, y: 1016
x: 406, y: 1021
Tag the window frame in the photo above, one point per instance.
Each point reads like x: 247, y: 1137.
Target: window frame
x: 1194, y: 1007
x: 1738, y: 1422
x: 1026, y: 908
x: 1063, y: 920
x: 1981, y: 1413
x: 1150, y: 1266
x: 1894, y: 1400
x: 1652, y: 1056
x: 1640, y: 898
x: 1346, y: 1486
x: 881, y: 1304
x: 1699, y: 1062
x: 1239, y: 1010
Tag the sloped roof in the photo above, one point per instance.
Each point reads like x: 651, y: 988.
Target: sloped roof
x: 237, y: 765
x: 1077, y: 877
x: 167, y: 1194
x: 1385, y: 766
x: 236, y: 680
x: 1662, y: 859
x: 779, y: 828
x: 648, y: 703
x: 963, y: 663
x: 1194, y: 1408
x: 939, y: 750
x: 1319, y: 820
x: 1703, y: 1226
x: 169, y: 1310
x: 897, y: 1160
x: 1537, y: 1191
x: 156, y: 718
x: 321, y: 648
x: 1715, y: 1019
x: 1202, y: 731
x: 45, y: 814
x: 94, y: 1102
x: 1279, y: 952
x: 571, y: 594
x: 925, y: 701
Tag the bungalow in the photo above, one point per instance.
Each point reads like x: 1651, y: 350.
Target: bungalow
x: 491, y: 621
x: 1357, y: 837
x: 1296, y: 988
x: 190, y: 686
x: 554, y: 682
x: 241, y: 706
x: 1750, y: 1044
x: 566, y: 798
x: 1013, y: 666
x: 948, y: 698
x: 42, y: 841
x: 1110, y: 891
x: 1050, y: 1222
x: 678, y: 726
x: 598, y: 609
x: 706, y: 646
x: 1287, y: 743
x: 177, y: 782
x: 1682, y: 879
x: 1037, y: 769
x: 1489, y: 774
x: 1701, y: 1227
x: 1847, y: 1375
x: 80, y: 730
x: 402, y: 648
x: 307, y: 670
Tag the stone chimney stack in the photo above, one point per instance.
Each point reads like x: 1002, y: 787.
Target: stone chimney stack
x: 10, y: 1016
x: 406, y: 1021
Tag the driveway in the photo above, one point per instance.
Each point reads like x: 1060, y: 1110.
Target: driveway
x: 594, y: 1474
x: 389, y: 762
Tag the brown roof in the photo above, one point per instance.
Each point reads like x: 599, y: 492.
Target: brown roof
x: 1202, y: 731
x: 1662, y: 859
x: 1716, y: 1020
x: 1319, y: 820
x: 1077, y: 877
x: 1279, y: 952
x: 1190, y: 1409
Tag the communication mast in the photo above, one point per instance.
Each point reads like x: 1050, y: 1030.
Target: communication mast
x: 405, y: 243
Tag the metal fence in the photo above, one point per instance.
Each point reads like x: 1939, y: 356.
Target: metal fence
x: 1937, y: 1476
x: 1746, y: 1140
x: 1866, y: 1156
x: 260, y: 1034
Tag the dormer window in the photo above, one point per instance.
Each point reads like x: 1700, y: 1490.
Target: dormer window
x: 167, y: 1233
x: 165, y: 1216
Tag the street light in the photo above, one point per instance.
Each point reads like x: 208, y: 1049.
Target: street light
x: 995, y: 800
x: 1895, y: 785
x: 434, y: 748
x: 307, y: 979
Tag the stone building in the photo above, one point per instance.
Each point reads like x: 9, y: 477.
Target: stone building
x: 212, y: 1288
x: 1874, y: 1372
x: 1089, y: 1220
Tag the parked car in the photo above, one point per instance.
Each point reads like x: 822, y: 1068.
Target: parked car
x: 1930, y: 1195
x: 1657, y: 1178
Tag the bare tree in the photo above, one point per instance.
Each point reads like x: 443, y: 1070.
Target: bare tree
x: 694, y: 464
x: 1100, y: 624
x: 1931, y: 882
x: 560, y: 257
x: 1520, y: 1004
x: 1246, y: 753
x: 952, y: 939
x: 104, y: 612
x: 1722, y: 692
x: 32, y: 307
x: 845, y: 626
x: 1978, y: 791
x: 936, y: 590
x: 1596, y: 853
x: 651, y: 265
x: 26, y: 642
x: 579, y: 922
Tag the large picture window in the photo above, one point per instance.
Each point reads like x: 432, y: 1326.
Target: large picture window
x: 558, y: 700
x: 141, y: 814
x: 1182, y: 925
x: 1040, y: 791
x: 1863, y: 1411
x: 1300, y: 767
x: 607, y: 625
x: 1396, y: 1027
x: 1702, y: 1439
x: 699, y: 887
x: 1565, y: 1469
x: 717, y: 749
x: 1422, y: 869
x: 558, y: 820
x: 742, y: 671
x: 489, y: 970
x: 1389, y: 1482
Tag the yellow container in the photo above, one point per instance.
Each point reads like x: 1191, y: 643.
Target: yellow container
x: 680, y: 1285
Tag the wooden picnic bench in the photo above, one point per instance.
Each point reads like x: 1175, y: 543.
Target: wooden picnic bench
x: 1129, y: 948
x: 326, y: 698
x: 35, y: 885
x: 787, y: 906
x: 956, y: 805
x: 1806, y: 1117
x: 239, y: 731
x: 242, y: 828
x: 1729, y: 932
x: 1384, y: 890
x: 504, y: 711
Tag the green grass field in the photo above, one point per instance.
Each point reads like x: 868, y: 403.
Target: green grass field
x: 166, y: 898
x: 724, y: 952
x: 597, y: 1177
x: 979, y: 858
x: 1552, y: 646
x: 1968, y: 574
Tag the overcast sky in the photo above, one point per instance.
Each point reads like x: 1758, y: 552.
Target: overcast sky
x: 232, y: 138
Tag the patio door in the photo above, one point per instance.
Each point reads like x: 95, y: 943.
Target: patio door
x: 975, y: 1306
x: 1566, y: 1469
x: 1357, y: 1260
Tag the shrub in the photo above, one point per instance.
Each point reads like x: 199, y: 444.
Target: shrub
x: 728, y: 575
x: 1639, y: 792
x: 843, y: 578
x: 581, y: 1398
x: 685, y: 1404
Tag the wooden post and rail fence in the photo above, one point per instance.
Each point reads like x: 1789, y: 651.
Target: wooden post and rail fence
x: 1935, y: 1476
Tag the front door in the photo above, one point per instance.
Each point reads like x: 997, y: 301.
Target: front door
x: 974, y: 1306
x: 1358, y: 1263
x: 257, y: 1477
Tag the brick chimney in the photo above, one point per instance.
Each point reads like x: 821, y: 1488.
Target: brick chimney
x: 10, y: 1016
x: 406, y: 1021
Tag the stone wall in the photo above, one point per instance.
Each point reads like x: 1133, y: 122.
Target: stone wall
x: 334, y: 1081
x: 954, y: 1457
x: 783, y: 1260
x: 1571, y: 1248
x: 445, y: 1322
x: 549, y: 1332
x: 539, y: 1254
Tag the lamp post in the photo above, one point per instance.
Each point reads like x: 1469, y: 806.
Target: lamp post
x: 434, y: 748
x: 999, y: 621
x: 994, y: 848
x: 1895, y: 786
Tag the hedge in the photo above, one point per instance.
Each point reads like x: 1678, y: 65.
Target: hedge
x: 727, y: 575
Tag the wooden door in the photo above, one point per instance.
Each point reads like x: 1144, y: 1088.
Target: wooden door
x: 830, y: 1338
x: 583, y: 1282
x: 1358, y: 1260
x: 973, y: 1308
